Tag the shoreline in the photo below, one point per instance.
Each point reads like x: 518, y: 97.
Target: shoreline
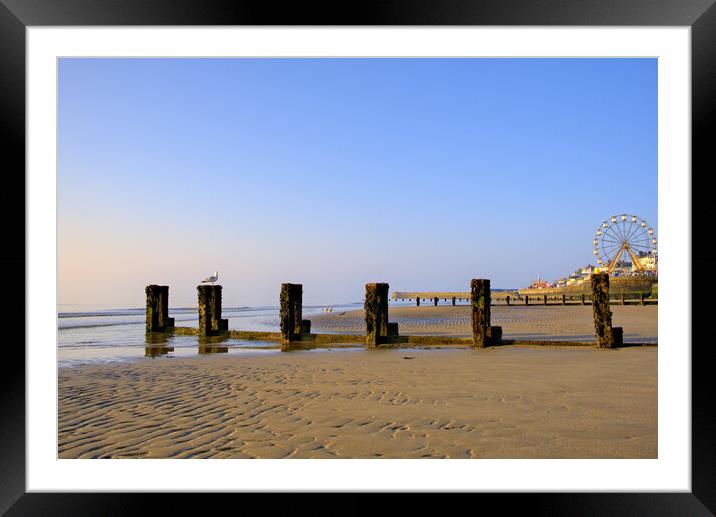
x: 451, y: 324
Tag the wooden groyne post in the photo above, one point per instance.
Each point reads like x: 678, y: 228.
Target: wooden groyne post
x: 545, y: 299
x: 291, y: 313
x: 453, y: 300
x: 600, y: 307
x: 210, y: 322
x: 480, y: 301
x: 527, y: 299
x: 435, y: 301
x: 618, y: 334
x: 305, y: 326
x: 564, y: 300
x: 392, y: 329
x: 158, y: 319
x: 376, y: 314
x: 417, y: 301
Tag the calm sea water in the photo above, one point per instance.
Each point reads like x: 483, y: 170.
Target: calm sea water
x: 116, y: 335
x: 96, y: 335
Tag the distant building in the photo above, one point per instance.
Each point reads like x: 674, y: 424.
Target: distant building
x: 583, y: 274
x: 587, y: 270
x: 540, y: 284
x: 579, y: 275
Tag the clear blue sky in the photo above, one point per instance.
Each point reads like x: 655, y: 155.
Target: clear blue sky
x: 423, y: 173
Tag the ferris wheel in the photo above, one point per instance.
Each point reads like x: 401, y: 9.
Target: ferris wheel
x: 625, y: 234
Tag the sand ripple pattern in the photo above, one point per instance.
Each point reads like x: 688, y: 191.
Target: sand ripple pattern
x: 494, y: 403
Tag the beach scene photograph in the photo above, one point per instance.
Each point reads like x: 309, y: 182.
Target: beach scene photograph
x: 357, y: 258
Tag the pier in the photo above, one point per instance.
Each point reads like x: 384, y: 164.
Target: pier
x: 447, y: 296
x: 514, y: 297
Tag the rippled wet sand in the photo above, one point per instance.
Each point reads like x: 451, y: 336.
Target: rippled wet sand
x: 503, y: 402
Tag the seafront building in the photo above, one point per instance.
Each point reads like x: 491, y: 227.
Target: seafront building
x: 540, y: 284
x: 583, y: 274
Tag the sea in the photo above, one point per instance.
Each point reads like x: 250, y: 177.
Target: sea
x: 95, y: 335
x: 90, y: 335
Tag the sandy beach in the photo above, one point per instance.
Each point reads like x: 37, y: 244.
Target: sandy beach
x: 498, y: 402
x: 243, y: 244
x: 551, y: 322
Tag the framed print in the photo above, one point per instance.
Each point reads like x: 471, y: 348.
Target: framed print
x: 449, y: 156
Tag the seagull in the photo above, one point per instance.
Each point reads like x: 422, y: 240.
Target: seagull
x: 212, y: 278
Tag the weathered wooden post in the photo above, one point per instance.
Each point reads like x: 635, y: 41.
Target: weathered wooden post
x: 210, y: 322
x: 600, y: 307
x: 383, y: 298
x: 290, y: 315
x: 305, y: 326
x: 417, y: 301
x: 527, y: 299
x: 392, y: 329
x: 217, y: 322
x: 453, y: 300
x: 507, y: 299
x: 165, y: 322
x: 622, y: 298
x: 545, y: 299
x: 297, y: 308
x: 376, y: 313
x: 618, y: 334
x: 435, y: 301
x: 285, y: 313
x: 564, y: 299
x: 480, y: 301
x: 642, y: 299
x: 583, y: 300
x: 494, y: 335
x: 157, y: 311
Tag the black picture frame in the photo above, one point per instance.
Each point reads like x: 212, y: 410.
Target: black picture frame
x: 16, y: 15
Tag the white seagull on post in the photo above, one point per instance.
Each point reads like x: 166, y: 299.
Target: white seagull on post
x: 212, y: 278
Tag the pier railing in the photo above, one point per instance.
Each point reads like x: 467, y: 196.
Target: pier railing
x: 431, y: 298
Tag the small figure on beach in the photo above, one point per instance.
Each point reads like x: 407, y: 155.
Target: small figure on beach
x: 211, y: 279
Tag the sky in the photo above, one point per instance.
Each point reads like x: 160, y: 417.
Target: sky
x: 423, y: 173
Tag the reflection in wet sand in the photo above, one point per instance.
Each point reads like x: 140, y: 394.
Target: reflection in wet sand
x: 297, y: 345
x: 213, y: 349
x: 157, y: 338
x: 155, y: 351
x: 210, y: 344
x: 212, y: 340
